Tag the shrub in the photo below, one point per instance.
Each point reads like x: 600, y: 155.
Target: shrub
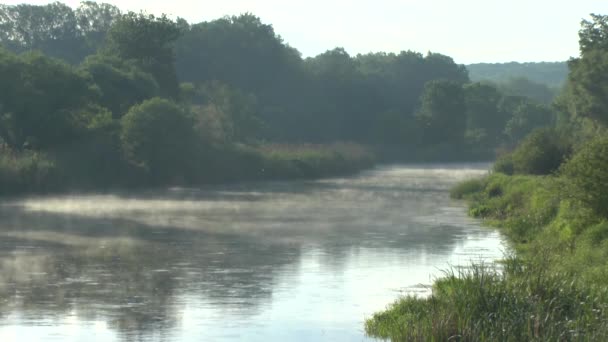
x: 504, y: 165
x: 158, y: 136
x: 541, y: 152
x: 587, y: 176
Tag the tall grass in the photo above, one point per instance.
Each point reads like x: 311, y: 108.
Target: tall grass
x: 312, y: 161
x: 521, y: 302
x: 25, y: 171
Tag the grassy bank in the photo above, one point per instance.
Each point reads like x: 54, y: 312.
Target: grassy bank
x: 99, y: 165
x: 553, y: 289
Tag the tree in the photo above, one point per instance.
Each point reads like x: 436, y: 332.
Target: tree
x: 588, y: 78
x: 158, y: 136
x: 521, y: 86
x: 483, y: 114
x: 593, y: 34
x: 588, y: 84
x: 122, y: 83
x: 149, y: 41
x: 45, y: 101
x: 240, y: 51
x: 442, y: 112
x: 95, y: 21
x: 526, y: 117
x: 238, y: 111
x: 336, y: 107
x: 56, y: 29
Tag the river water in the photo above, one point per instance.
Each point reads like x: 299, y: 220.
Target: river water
x: 280, y: 261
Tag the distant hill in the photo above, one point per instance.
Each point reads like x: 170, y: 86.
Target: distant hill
x: 553, y: 74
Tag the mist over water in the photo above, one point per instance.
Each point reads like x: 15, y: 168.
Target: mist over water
x: 284, y: 261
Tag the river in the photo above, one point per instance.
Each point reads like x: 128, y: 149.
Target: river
x: 278, y: 261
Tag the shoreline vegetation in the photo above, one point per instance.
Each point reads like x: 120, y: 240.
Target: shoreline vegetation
x: 549, y: 197
x: 30, y: 172
x: 92, y: 98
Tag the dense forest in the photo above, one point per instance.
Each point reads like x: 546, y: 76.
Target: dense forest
x: 549, y: 196
x: 104, y: 98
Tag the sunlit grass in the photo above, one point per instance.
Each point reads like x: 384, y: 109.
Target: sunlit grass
x: 522, y: 302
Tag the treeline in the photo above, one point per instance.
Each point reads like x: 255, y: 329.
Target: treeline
x: 549, y: 197
x: 159, y: 94
x: 552, y: 74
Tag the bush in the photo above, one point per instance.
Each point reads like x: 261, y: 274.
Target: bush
x: 504, y: 165
x: 586, y: 176
x: 158, y: 136
x: 540, y: 153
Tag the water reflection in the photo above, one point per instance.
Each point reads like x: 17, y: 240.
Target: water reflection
x: 275, y: 261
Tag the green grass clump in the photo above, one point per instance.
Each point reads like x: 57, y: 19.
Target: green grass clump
x: 467, y: 188
x: 283, y: 161
x: 522, y: 302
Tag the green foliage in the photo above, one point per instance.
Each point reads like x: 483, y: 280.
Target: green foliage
x: 527, y: 117
x: 522, y: 302
x: 485, y: 120
x: 56, y: 29
x: 42, y: 100
x: 122, y: 83
x: 149, y: 41
x: 587, y: 90
x: 504, y: 164
x: 541, y: 153
x: 521, y: 86
x: 239, y: 50
x: 587, y: 176
x: 242, y: 84
x: 467, y: 188
x: 237, y: 111
x: 594, y: 34
x: 158, y: 135
x: 443, y: 112
x: 589, y: 85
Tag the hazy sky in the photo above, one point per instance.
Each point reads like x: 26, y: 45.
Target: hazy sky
x: 468, y: 30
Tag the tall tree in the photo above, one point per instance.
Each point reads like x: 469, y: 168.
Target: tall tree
x: 148, y: 40
x: 122, y: 82
x: 56, y: 29
x: 484, y: 119
x: 588, y: 79
x: 44, y: 100
x: 443, y: 112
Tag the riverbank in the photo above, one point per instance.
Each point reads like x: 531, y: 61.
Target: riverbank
x: 100, y: 165
x: 552, y: 289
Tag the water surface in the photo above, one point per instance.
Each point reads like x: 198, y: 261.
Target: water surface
x: 284, y: 261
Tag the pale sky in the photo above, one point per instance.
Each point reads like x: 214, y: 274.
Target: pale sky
x: 470, y: 31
